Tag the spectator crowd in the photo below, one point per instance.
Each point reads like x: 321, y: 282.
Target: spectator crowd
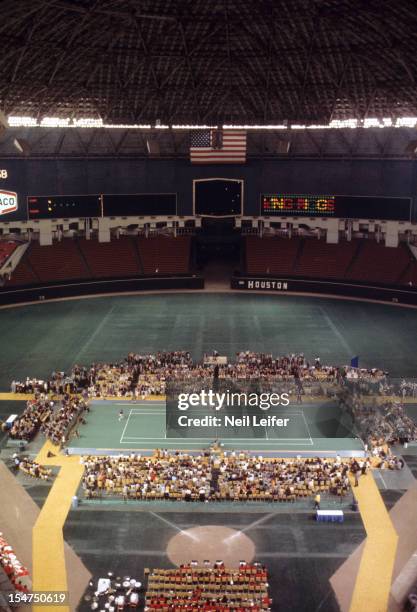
x: 140, y: 375
x: 53, y: 418
x: 31, y: 468
x: 379, y: 422
x: 14, y: 569
x: 36, y: 412
x: 213, y: 476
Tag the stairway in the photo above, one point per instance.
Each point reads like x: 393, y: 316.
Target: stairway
x: 214, y: 483
x: 354, y: 258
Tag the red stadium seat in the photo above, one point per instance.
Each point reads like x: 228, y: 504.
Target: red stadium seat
x: 320, y: 259
x: 114, y: 259
x: 379, y: 264
x: 59, y: 261
x: 272, y: 256
x: 165, y: 255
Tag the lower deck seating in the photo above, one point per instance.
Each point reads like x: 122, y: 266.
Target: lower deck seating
x: 409, y: 277
x: 117, y: 258
x: 72, y: 259
x: 320, y: 259
x: 59, y: 261
x: 274, y: 256
x: 23, y: 274
x: 6, y: 249
x: 356, y: 260
x: 165, y: 255
x: 208, y: 588
x: 379, y: 264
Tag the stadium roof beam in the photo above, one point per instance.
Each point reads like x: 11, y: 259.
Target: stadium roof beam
x: 190, y: 69
x: 324, y: 63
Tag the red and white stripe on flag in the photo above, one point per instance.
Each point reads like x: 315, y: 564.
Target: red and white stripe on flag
x: 232, y: 150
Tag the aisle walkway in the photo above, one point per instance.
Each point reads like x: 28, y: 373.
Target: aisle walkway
x: 49, y: 568
x: 373, y: 583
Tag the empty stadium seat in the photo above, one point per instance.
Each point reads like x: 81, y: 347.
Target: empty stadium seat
x: 379, y: 264
x: 114, y: 259
x: 320, y: 259
x: 409, y: 277
x: 360, y: 260
x: 85, y: 259
x: 6, y: 249
x: 165, y: 255
x: 23, y: 274
x: 57, y: 262
x: 275, y: 256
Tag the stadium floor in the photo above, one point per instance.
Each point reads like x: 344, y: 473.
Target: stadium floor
x: 302, y: 556
x: 40, y: 338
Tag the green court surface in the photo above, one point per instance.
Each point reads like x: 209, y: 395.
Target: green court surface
x: 312, y: 427
x: 40, y: 338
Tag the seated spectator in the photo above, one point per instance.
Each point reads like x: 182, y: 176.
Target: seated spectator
x: 180, y: 476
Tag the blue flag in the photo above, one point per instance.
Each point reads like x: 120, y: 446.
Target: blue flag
x: 354, y: 362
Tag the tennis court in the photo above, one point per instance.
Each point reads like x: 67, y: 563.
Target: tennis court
x: 313, y: 428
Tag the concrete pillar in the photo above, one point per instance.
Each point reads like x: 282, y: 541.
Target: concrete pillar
x: 104, y: 229
x: 332, y: 235
x: 391, y: 234
x: 45, y: 232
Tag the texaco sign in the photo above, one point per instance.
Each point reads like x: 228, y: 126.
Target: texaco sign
x: 8, y: 202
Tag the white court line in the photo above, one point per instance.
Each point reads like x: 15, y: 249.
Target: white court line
x: 291, y: 441
x: 143, y: 411
x: 144, y: 404
x: 337, y: 332
x: 308, y: 430
x: 123, y: 432
x: 210, y: 437
x: 147, y: 413
x: 310, y: 439
x: 163, y: 413
x: 224, y: 440
x: 94, y: 334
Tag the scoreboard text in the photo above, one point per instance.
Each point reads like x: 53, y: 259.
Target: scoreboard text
x: 337, y: 206
x: 323, y: 205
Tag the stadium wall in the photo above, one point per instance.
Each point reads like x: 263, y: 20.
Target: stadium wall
x: 89, y: 176
x: 364, y: 291
x: 62, y: 290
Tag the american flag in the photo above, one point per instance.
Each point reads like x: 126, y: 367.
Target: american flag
x: 218, y: 147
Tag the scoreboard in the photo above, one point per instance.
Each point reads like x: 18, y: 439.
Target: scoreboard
x: 58, y: 207
x: 84, y: 206
x: 294, y: 205
x: 345, y: 207
x: 140, y: 204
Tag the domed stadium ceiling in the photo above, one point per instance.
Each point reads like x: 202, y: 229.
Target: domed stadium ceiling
x: 207, y: 62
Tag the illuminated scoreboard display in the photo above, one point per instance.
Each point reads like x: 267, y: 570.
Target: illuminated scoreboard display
x: 57, y: 207
x: 295, y: 205
x: 344, y: 207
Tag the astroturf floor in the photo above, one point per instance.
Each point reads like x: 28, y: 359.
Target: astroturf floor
x: 40, y: 338
x: 301, y: 554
